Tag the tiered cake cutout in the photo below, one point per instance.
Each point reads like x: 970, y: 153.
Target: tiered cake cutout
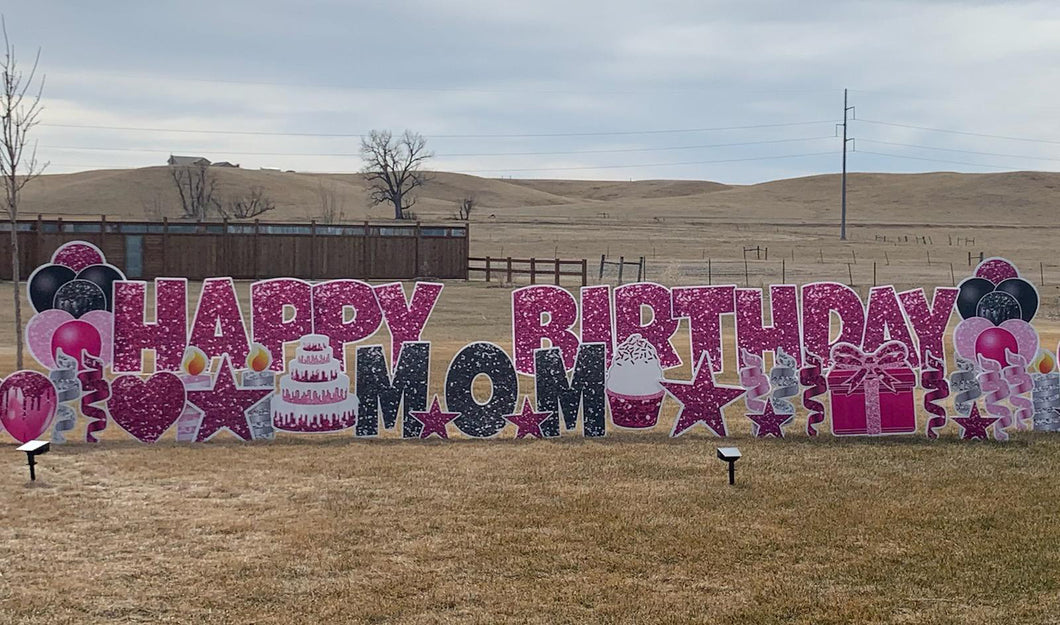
x: 315, y: 395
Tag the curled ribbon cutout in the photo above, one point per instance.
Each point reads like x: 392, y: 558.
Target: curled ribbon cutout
x: 965, y: 382
x: 933, y: 379
x: 995, y: 390
x: 785, y: 383
x: 1019, y: 384
x: 95, y: 389
x: 64, y: 377
x: 812, y: 377
x: 754, y: 381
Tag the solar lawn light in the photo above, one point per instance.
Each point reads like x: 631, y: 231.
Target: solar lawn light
x: 730, y: 455
x: 34, y: 449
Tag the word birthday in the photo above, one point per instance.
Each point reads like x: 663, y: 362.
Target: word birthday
x: 597, y: 359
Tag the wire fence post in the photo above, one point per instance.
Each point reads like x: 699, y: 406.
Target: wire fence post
x: 746, y: 278
x: 783, y: 272
x: 533, y: 271
x: 509, y: 276
x: 710, y: 277
x: 953, y: 281
x: 603, y: 257
x: 585, y: 272
x: 850, y: 275
x: 488, y: 269
x: 873, y: 273
x: 640, y: 269
x: 621, y: 266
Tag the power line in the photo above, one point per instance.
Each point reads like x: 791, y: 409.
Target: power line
x: 928, y: 147
x: 959, y: 132
x: 935, y: 160
x: 453, y: 155
x: 438, y: 136
x: 494, y: 90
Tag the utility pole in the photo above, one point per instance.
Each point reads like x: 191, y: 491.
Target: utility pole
x: 843, y: 214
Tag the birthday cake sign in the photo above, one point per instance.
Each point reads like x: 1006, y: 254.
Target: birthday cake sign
x: 593, y: 362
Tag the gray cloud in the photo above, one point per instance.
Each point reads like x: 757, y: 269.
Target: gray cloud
x: 465, y: 67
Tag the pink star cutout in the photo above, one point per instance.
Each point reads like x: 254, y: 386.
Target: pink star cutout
x: 769, y: 423
x: 225, y: 405
x: 701, y: 400
x: 434, y: 420
x: 974, y: 426
x: 528, y: 421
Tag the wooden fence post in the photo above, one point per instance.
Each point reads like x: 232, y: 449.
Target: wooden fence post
x: 165, y: 245
x: 585, y: 272
x: 488, y: 269
x: 557, y: 270
x: 603, y: 257
x: 953, y: 281
x: 783, y: 271
x: 621, y: 266
x: 509, y: 275
x: 419, y: 239
x: 257, y: 248
x: 313, y: 248
x: 640, y: 270
x: 746, y: 277
x: 533, y: 270
x: 850, y: 274
x: 710, y: 277
x: 873, y: 273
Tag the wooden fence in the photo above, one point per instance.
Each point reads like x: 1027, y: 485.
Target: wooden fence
x: 247, y: 250
x: 552, y: 269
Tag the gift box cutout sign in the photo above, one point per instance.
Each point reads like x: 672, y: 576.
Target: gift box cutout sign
x: 871, y: 392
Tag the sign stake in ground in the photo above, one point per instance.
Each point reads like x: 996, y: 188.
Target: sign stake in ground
x: 34, y: 449
x: 730, y: 455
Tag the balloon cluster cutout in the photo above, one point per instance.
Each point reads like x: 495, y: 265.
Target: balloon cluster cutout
x: 996, y: 306
x: 73, y: 298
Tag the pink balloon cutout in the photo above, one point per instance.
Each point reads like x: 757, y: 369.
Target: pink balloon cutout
x: 39, y: 333
x: 966, y: 333
x: 1026, y: 337
x: 75, y: 337
x: 27, y: 404
x: 996, y: 270
x: 992, y: 343
x: 77, y: 255
x: 103, y: 322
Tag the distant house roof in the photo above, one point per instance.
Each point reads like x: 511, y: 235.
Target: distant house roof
x: 224, y: 164
x: 184, y: 161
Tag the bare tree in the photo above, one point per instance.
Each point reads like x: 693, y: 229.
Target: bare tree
x: 392, y: 168
x: 20, y: 108
x: 331, y: 204
x: 248, y: 206
x: 197, y: 187
x: 465, y: 206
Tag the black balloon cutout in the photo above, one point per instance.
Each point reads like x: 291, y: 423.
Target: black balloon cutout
x: 77, y: 297
x: 45, y: 282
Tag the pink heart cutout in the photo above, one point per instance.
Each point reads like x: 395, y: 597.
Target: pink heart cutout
x: 146, y: 409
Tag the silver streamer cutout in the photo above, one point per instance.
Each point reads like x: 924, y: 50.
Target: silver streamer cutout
x: 67, y: 389
x: 784, y: 378
x: 1046, y: 398
x: 259, y: 416
x: 964, y: 383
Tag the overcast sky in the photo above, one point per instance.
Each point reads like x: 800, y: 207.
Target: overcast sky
x: 549, y: 88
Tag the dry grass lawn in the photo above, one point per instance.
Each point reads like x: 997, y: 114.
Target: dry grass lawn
x: 634, y: 528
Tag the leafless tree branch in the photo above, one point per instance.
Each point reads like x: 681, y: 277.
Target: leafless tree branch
x: 20, y: 109
x: 392, y: 168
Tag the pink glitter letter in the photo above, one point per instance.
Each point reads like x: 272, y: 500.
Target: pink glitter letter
x: 597, y: 324
x: 218, y: 325
x: 269, y: 299
x: 929, y: 322
x: 884, y: 320
x: 628, y: 302
x: 819, y: 300
x: 167, y: 335
x: 751, y: 332
x: 332, y: 299
x: 529, y: 304
x: 704, y: 306
x: 406, y: 319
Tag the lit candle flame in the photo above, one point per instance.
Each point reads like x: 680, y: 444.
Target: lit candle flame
x: 194, y: 361
x: 1044, y: 363
x: 258, y: 358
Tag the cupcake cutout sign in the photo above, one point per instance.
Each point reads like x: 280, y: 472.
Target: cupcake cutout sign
x: 633, y: 390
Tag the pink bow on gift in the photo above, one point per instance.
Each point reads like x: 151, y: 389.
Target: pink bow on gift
x: 871, y: 365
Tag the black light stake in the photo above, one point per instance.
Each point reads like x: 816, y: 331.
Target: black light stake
x: 34, y: 449
x: 730, y: 455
